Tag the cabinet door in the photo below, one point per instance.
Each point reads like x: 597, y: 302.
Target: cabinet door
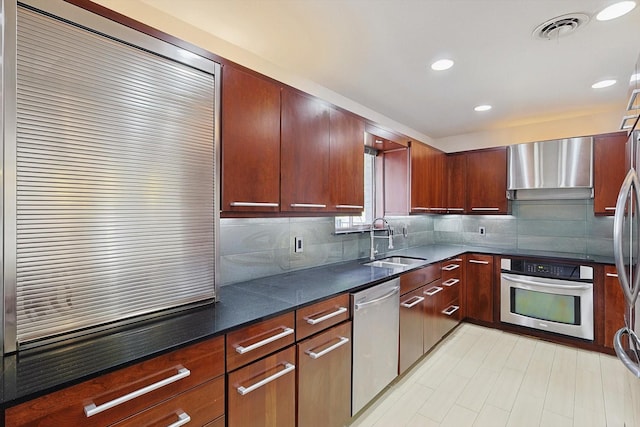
x: 432, y: 303
x: 411, y: 328
x: 264, y: 392
x: 304, y: 154
x: 614, y: 305
x: 479, y: 287
x: 250, y: 138
x: 346, y: 162
x: 427, y: 179
x: 456, y: 182
x: 487, y: 181
x: 608, y: 171
x: 395, y: 183
x: 324, y: 378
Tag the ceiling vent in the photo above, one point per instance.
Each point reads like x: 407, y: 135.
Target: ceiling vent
x: 560, y: 26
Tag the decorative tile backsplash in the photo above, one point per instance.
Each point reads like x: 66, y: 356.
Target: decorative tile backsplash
x: 259, y: 247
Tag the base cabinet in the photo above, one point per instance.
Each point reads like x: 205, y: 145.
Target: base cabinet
x: 479, y: 287
x: 263, y: 393
x: 324, y: 378
x: 614, y: 305
x: 412, y: 314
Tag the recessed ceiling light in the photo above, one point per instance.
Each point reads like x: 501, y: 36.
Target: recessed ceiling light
x: 616, y: 10
x: 442, y: 64
x: 483, y: 108
x: 603, y: 83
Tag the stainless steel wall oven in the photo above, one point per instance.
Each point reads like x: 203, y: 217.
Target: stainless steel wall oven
x: 548, y: 296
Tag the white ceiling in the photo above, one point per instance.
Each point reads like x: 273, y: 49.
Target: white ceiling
x: 378, y: 52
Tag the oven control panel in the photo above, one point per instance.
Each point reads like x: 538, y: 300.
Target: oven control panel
x: 549, y: 269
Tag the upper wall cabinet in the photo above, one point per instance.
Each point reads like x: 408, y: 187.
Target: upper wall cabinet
x: 305, y: 145
x: 608, y: 171
x: 250, y: 143
x: 427, y: 179
x: 456, y: 182
x: 346, y: 163
x: 487, y: 181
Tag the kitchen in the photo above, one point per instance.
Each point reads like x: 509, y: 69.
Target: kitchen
x: 259, y: 247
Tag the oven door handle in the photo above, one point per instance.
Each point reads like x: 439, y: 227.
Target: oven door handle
x: 518, y: 279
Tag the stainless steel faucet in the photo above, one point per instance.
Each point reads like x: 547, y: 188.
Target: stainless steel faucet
x: 389, y: 236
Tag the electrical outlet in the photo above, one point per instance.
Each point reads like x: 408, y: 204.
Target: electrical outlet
x: 298, y: 245
x: 482, y: 231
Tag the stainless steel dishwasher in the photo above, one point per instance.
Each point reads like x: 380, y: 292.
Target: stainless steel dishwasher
x: 376, y: 325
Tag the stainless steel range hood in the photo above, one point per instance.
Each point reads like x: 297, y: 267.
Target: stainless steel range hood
x: 550, y: 170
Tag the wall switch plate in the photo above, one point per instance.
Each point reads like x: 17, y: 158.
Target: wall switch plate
x: 482, y: 231
x: 298, y: 245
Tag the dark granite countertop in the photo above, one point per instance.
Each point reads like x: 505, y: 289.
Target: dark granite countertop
x: 32, y: 373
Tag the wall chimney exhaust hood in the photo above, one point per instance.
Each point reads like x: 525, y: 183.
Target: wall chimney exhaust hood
x: 551, y: 170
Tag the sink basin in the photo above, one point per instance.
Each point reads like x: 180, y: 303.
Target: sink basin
x: 396, y: 262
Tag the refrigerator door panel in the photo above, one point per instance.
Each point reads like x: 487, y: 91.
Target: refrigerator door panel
x: 625, y: 239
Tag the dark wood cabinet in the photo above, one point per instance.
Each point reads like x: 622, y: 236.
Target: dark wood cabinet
x: 322, y: 315
x: 456, y: 182
x: 324, y: 378
x: 486, y: 187
x: 304, y: 159
x: 608, y: 171
x: 452, y: 282
x: 250, y: 138
x: 395, y: 182
x: 346, y: 163
x: 614, y: 305
x: 263, y: 393
x: 186, y: 375
x: 427, y: 179
x: 433, y: 303
x: 479, y: 287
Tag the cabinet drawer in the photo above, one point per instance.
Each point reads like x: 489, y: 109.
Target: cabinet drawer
x: 322, y: 315
x: 199, y: 406
x: 220, y: 422
x: 258, y: 340
x: 414, y: 279
x: 146, y: 384
x: 264, y: 392
x: 452, y: 269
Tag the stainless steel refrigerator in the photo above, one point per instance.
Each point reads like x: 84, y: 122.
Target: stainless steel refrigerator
x: 626, y: 226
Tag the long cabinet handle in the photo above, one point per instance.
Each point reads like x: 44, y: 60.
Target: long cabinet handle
x: 610, y: 208
x: 485, y: 209
x: 313, y: 355
x: 91, y: 409
x: 417, y: 301
x: 419, y: 208
x: 288, y: 367
x: 377, y: 300
x: 242, y: 350
x: 338, y: 312
x: 183, y: 418
x: 432, y: 291
x: 450, y: 310
x: 255, y: 204
x: 450, y: 267
x: 612, y: 275
x: 477, y: 261
x: 349, y: 207
x: 456, y: 209
x: 450, y: 282
x: 307, y: 205
x: 437, y: 209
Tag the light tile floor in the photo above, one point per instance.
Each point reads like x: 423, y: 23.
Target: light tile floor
x: 482, y: 377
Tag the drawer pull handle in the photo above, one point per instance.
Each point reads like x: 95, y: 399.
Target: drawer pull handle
x: 242, y: 350
x: 451, y: 267
x: 612, y: 274
x: 183, y: 418
x: 288, y: 367
x: 608, y: 208
x: 255, y: 204
x: 313, y: 355
x: 475, y: 261
x: 338, y: 312
x: 92, y: 409
x: 450, y: 310
x: 432, y: 291
x: 450, y: 282
x: 417, y: 301
x: 485, y: 209
x: 419, y: 208
x: 456, y: 209
x: 308, y: 205
x: 349, y: 207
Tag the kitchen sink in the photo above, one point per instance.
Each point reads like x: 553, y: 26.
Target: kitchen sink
x: 397, y: 262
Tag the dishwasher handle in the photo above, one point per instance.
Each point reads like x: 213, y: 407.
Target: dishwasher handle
x: 394, y: 291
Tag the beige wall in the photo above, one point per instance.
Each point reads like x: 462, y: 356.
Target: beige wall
x: 550, y: 128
